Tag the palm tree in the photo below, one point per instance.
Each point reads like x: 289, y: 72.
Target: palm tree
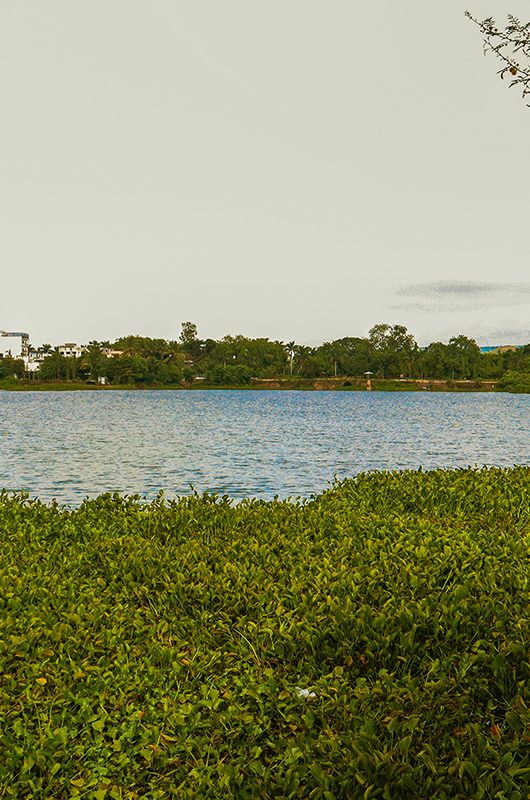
x: 290, y: 349
x: 93, y: 359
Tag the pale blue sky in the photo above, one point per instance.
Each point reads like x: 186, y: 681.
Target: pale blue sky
x: 288, y: 168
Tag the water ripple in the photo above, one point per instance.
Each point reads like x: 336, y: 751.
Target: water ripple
x: 245, y: 443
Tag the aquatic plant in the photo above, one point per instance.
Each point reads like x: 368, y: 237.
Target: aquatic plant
x: 371, y: 642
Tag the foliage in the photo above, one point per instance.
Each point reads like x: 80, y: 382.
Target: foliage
x: 189, y: 340
x: 231, y: 375
x: 137, y: 369
x: 347, y: 356
x: 141, y: 361
x: 389, y: 351
x: 188, y: 333
x: 511, y: 45
x: 260, y: 356
x: 515, y: 382
x: 393, y: 350
x: 369, y: 643
x: 53, y: 367
x: 11, y: 367
x: 93, y: 362
x: 464, y: 357
x: 161, y: 349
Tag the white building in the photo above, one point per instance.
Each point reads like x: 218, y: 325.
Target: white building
x: 34, y: 359
x: 72, y: 350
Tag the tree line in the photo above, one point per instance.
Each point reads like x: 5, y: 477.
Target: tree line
x: 389, y: 351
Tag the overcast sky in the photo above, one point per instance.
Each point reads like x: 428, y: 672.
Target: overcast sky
x: 284, y: 168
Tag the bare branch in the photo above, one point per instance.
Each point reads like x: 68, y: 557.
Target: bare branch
x: 511, y: 45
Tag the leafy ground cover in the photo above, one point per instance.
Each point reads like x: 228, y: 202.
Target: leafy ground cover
x: 372, y: 642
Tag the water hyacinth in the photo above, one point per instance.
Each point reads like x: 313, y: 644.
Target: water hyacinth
x: 371, y: 642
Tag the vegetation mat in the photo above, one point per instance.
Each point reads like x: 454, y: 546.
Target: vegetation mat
x: 371, y: 642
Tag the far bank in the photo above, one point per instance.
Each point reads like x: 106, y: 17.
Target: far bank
x: 342, y: 384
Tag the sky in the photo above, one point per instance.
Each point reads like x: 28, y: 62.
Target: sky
x: 294, y: 169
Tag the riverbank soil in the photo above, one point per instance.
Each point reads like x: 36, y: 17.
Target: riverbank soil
x: 304, y: 384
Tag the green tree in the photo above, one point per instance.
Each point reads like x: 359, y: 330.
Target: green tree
x: 464, y: 357
x: 146, y: 346
x: 434, y: 361
x: 71, y: 368
x: 53, y: 366
x: 189, y: 340
x: 290, y: 351
x: 229, y: 375
x: 264, y: 358
x: 347, y: 356
x: 492, y: 365
x: 305, y: 361
x: 394, y: 350
x: 11, y: 367
x: 188, y: 332
x: 127, y: 369
x: 518, y: 360
x: 93, y: 362
x: 513, y: 381
x: 329, y: 354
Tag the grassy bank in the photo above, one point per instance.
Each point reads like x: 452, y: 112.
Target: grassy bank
x: 75, y: 386
x: 370, y: 643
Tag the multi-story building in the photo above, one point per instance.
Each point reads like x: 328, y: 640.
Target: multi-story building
x: 72, y: 350
x: 34, y: 358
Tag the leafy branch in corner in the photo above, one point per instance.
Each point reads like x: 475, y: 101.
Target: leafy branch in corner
x: 511, y: 45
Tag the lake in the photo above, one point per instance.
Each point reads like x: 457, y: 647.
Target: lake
x: 69, y: 445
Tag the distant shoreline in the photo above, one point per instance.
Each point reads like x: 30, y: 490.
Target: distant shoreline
x: 268, y: 384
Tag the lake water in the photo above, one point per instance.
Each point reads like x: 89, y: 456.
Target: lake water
x: 67, y: 445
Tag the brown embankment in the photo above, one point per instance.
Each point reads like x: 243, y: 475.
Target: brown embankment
x: 391, y: 384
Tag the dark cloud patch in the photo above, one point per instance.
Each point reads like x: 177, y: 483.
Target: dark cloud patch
x: 513, y: 335
x: 460, y: 295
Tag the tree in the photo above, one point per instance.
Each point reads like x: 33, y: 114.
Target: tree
x: 394, y: 349
x: 11, y: 366
x: 492, y: 365
x: 307, y: 365
x: 188, y: 332
x: 229, y: 375
x: 463, y: 357
x: 53, y: 366
x: 511, y: 45
x: 261, y: 356
x: 290, y: 350
x: 435, y: 361
x: 189, y: 340
x: 347, y: 356
x: 71, y: 368
x: 93, y: 362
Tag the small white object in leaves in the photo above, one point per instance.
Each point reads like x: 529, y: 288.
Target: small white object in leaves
x: 304, y: 692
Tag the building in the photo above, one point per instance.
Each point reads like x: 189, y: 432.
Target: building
x: 110, y: 353
x: 14, y: 344
x: 34, y: 359
x: 72, y: 350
